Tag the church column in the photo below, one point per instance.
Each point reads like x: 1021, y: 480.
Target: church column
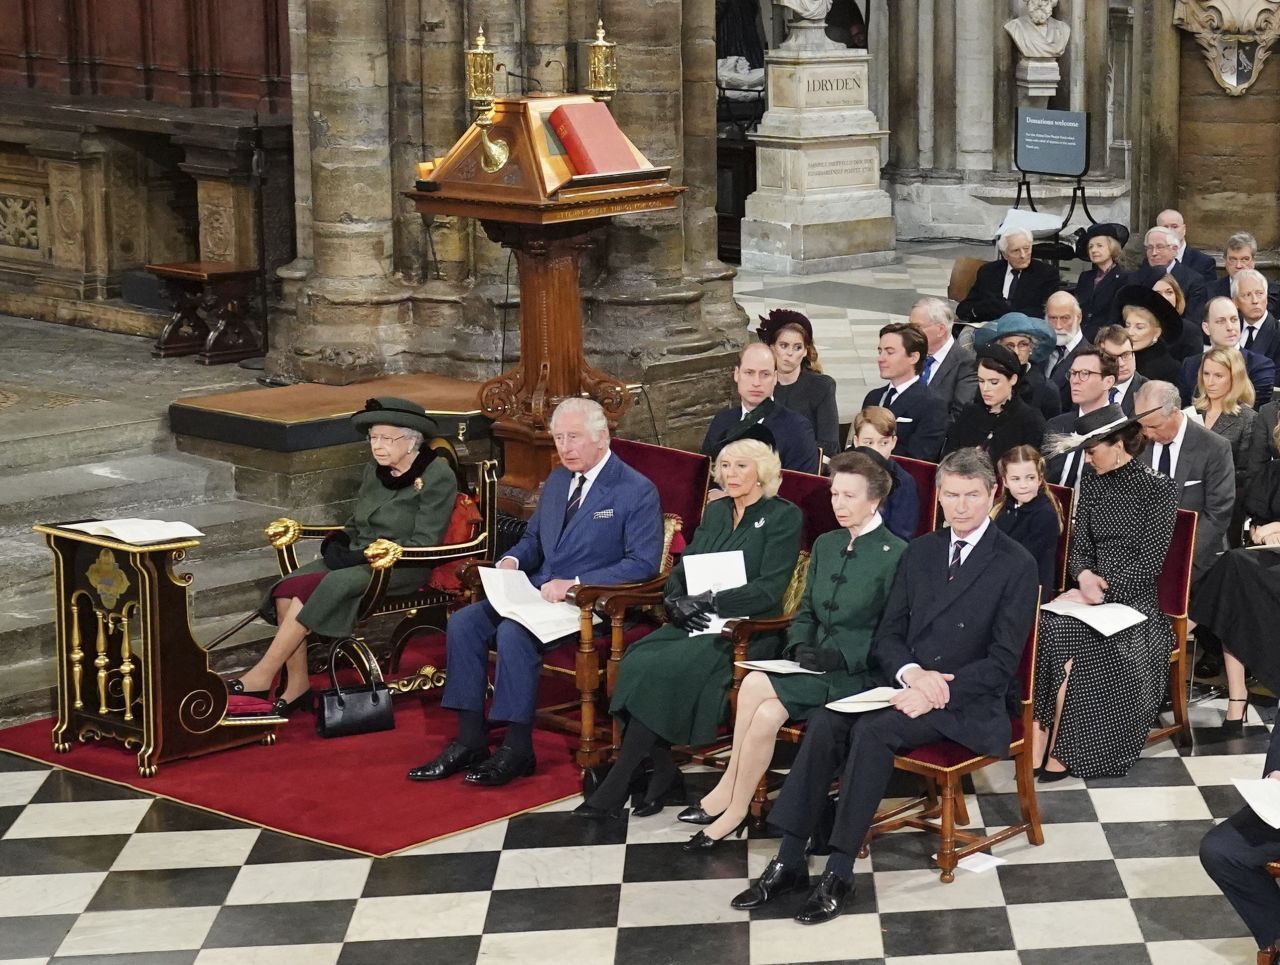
x: 1096, y: 37
x: 1002, y: 99
x: 944, y: 85
x: 904, y: 119
x: 1153, y: 121
x: 299, y: 100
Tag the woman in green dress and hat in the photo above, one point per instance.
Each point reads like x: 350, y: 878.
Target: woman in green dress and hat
x: 406, y: 496
x: 850, y: 572
x: 673, y: 685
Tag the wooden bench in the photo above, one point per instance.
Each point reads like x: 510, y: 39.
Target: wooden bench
x: 210, y: 318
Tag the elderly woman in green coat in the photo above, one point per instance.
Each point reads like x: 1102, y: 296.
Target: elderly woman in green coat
x: 407, y: 496
x: 850, y: 572
x: 673, y: 685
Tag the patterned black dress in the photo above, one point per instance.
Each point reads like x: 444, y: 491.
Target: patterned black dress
x: 1123, y: 527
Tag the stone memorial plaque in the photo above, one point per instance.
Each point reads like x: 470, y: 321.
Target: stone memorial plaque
x: 818, y: 85
x: 843, y: 167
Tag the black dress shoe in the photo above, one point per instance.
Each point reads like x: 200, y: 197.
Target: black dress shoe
x: 673, y: 794
x: 826, y: 901
x: 454, y: 758
x: 695, y: 815
x: 704, y: 842
x: 236, y: 687
x: 778, y: 879
x: 502, y: 768
x: 585, y: 810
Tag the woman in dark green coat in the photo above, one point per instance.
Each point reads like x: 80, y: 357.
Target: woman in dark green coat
x: 673, y: 687
x: 406, y: 496
x: 850, y: 572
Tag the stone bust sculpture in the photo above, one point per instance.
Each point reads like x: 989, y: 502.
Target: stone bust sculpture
x: 1036, y: 32
x: 807, y: 9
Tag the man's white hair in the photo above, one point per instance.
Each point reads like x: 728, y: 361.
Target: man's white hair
x: 1164, y: 395
x: 592, y: 415
x: 1063, y: 296
x: 1002, y: 243
x: 1244, y: 275
x: 1170, y: 236
x: 937, y: 310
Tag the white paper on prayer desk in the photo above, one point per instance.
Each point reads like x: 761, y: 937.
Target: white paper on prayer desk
x: 138, y: 532
x: 713, y: 572
x: 514, y: 597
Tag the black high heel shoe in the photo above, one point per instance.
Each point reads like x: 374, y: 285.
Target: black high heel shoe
x: 673, y: 794
x: 704, y: 842
x: 306, y: 700
x: 694, y: 814
x: 1235, y: 727
x: 236, y: 689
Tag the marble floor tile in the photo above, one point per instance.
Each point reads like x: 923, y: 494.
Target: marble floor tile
x: 47, y: 894
x: 185, y: 849
x: 418, y: 916
x: 726, y: 943
x: 585, y: 946
x: 78, y: 818
x: 549, y: 909
x: 164, y: 888
x: 559, y: 867
x: 1164, y: 877
x: 1117, y: 805
x: 948, y: 931
x: 432, y: 874
x: 921, y: 890
x: 145, y: 930
x: 784, y: 941
x: 261, y: 884
x: 679, y: 902
x: 487, y: 837
x: 18, y: 787
x: 960, y: 958
x: 1215, y: 951
x: 1224, y: 768
x: 319, y: 954
x: 1062, y: 842
x: 1060, y: 924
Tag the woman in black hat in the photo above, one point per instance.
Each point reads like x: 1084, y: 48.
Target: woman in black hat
x: 999, y: 418
x: 1097, y: 286
x: 1096, y: 696
x: 406, y: 496
x: 1153, y: 325
x: 801, y: 386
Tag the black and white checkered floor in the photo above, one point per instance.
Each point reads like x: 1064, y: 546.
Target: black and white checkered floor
x: 93, y: 872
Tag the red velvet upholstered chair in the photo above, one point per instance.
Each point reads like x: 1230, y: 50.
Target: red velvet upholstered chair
x: 591, y: 668
x: 925, y: 476
x: 944, y: 763
x: 1174, y: 588
x: 1066, y: 496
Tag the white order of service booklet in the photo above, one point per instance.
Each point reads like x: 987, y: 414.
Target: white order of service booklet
x: 514, y: 597
x: 139, y: 532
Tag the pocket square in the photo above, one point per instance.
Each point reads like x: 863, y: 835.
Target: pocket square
x: 1193, y: 482
x: 905, y: 418
x: 602, y: 514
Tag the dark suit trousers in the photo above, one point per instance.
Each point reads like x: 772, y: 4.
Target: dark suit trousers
x: 472, y: 631
x: 857, y: 748
x: 1233, y: 854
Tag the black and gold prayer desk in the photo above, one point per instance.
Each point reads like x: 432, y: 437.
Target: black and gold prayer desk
x: 129, y: 668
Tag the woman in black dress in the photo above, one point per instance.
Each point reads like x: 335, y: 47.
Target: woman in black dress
x: 1153, y: 325
x: 1029, y: 512
x: 1096, y: 696
x: 1097, y: 286
x: 1239, y: 599
x: 999, y: 418
x: 801, y: 386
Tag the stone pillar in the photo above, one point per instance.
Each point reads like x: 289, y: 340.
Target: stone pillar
x: 818, y: 205
x: 1002, y: 106
x: 1095, y: 36
x: 352, y: 317
x: 904, y: 142
x: 944, y: 86
x: 1153, y: 120
x: 299, y: 100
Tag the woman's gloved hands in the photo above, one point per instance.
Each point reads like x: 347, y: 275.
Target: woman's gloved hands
x: 821, y: 659
x: 691, y: 613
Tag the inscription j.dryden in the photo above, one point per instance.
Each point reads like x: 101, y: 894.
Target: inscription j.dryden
x: 843, y: 86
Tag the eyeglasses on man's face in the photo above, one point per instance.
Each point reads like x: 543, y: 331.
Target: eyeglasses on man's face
x: 1081, y: 375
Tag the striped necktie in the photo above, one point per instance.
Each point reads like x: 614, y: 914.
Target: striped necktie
x: 953, y: 570
x: 575, y: 501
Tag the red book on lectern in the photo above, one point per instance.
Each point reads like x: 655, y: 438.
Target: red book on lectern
x: 593, y: 140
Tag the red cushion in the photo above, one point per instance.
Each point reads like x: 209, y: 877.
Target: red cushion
x: 925, y: 476
x: 813, y: 495
x: 951, y: 754
x: 464, y: 524
x: 681, y: 477
x: 1174, y: 583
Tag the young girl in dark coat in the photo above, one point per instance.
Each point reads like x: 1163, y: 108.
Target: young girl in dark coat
x: 1029, y: 512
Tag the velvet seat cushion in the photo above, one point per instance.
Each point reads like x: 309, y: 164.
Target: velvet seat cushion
x: 1174, y: 582
x: 680, y: 477
x: 813, y: 495
x: 948, y: 754
x: 925, y: 476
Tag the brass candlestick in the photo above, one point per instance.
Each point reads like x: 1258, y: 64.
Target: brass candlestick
x: 602, y: 66
x: 480, y: 72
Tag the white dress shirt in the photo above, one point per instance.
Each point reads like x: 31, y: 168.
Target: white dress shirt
x: 1175, y: 450
x: 899, y: 389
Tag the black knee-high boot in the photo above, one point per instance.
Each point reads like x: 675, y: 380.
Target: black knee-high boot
x: 638, y: 741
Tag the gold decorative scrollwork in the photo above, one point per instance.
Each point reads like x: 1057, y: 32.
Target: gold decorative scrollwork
x: 500, y: 396
x: 427, y: 678
x: 198, y: 712
x: 181, y: 579
x: 283, y: 532
x: 608, y: 391
x: 382, y: 553
x: 107, y: 578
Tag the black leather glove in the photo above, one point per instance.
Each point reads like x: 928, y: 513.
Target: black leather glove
x: 337, y: 553
x: 691, y: 613
x: 821, y: 659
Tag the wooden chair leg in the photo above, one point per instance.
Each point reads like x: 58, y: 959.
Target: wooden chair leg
x: 962, y: 808
x: 1028, y: 803
x: 947, y: 849
x: 1178, y: 696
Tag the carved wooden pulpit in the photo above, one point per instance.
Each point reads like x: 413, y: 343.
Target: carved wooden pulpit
x: 528, y: 199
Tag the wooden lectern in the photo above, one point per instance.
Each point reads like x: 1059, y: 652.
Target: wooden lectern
x: 531, y: 202
x: 128, y: 667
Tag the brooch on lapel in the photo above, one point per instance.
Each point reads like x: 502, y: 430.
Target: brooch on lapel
x: 602, y: 514
x: 417, y: 484
x: 759, y: 522
x: 885, y: 547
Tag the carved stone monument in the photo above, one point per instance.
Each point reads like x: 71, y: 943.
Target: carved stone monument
x: 1041, y: 40
x: 1236, y: 37
x: 818, y: 205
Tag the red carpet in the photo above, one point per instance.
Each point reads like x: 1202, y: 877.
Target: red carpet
x: 349, y: 791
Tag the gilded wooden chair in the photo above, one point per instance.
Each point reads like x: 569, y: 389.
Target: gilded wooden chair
x: 943, y: 763
x: 1174, y: 588
x: 471, y: 532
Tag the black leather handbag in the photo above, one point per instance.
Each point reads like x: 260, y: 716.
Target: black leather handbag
x: 364, y: 708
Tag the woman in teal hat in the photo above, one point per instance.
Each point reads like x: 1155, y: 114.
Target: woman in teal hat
x: 406, y: 496
x: 1031, y: 340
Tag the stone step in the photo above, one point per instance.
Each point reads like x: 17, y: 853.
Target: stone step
x: 111, y: 488
x: 64, y: 435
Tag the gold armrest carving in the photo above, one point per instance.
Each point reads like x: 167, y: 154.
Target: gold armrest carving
x: 382, y: 554
x: 283, y: 532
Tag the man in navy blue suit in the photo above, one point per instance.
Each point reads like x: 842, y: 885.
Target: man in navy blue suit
x: 598, y: 522
x: 952, y: 635
x: 1235, y: 854
x: 1195, y: 259
x: 1238, y: 254
x: 901, y: 356
x: 1222, y: 325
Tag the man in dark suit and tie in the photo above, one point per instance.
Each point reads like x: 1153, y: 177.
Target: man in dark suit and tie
x: 950, y: 370
x: 1092, y: 377
x: 1235, y: 854
x: 1259, y: 331
x: 1195, y: 259
x: 1222, y: 327
x: 598, y: 522
x: 1239, y: 253
x: 1011, y: 283
x: 1063, y: 314
x: 1115, y: 341
x: 1197, y: 460
x: 952, y: 635
x: 921, y: 415
x: 1162, y: 249
x: 755, y: 375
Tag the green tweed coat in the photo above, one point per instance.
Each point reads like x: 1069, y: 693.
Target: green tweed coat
x: 678, y: 685
x: 401, y: 513
x: 843, y: 599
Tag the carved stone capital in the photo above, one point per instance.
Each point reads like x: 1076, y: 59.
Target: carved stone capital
x: 1235, y: 36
